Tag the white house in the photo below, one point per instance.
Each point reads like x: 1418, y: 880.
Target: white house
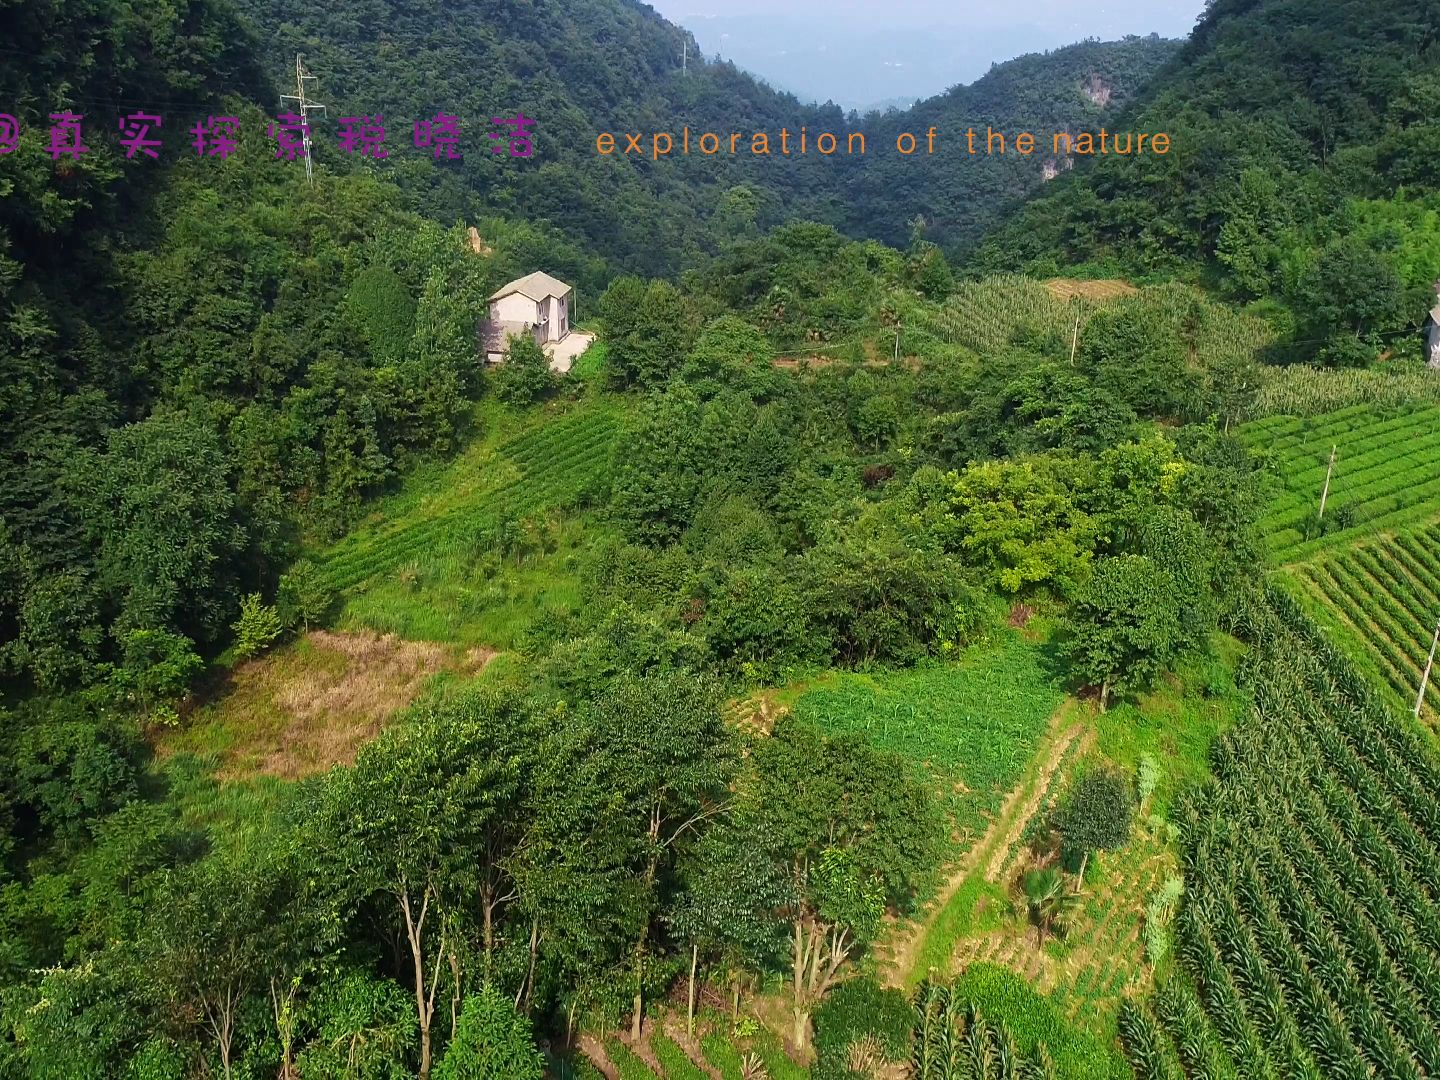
x: 539, y: 305
x: 1432, y: 333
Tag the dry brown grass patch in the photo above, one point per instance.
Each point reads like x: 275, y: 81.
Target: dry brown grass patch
x: 1069, y: 288
x: 315, y: 704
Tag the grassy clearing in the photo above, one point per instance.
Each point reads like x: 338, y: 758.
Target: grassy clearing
x: 473, y: 551
x: 975, y: 896
x: 304, y: 707
x: 1079, y: 980
x: 971, y: 726
x: 479, y: 597
x: 1176, y: 722
x: 237, y: 815
x: 313, y: 703
x: 996, y: 991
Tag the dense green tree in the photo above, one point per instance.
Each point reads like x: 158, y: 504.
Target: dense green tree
x: 660, y: 746
x: 880, y: 594
x: 649, y: 333
x: 1094, y: 815
x: 1124, y: 627
x: 1352, y: 290
x: 380, y: 306
x: 304, y: 596
x: 491, y: 1041
x: 854, y: 833
x: 730, y: 910
x: 223, y: 928
x: 408, y: 823
x: 155, y: 666
x: 1176, y: 544
x: 356, y: 1025
x: 166, y: 526
x: 1015, y: 520
x: 524, y: 376
x: 658, y: 467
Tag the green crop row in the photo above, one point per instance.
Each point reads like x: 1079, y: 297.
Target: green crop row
x: 1312, y: 865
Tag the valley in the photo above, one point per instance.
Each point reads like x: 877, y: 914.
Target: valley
x: 951, y: 623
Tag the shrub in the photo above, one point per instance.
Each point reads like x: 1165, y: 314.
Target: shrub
x: 524, y: 378
x: 304, y: 596
x: 860, y: 1013
x: 257, y: 628
x: 1095, y: 815
x: 491, y: 1042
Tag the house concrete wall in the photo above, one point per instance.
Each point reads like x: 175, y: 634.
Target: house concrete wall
x: 1432, y: 345
x: 556, y: 310
x: 514, y: 308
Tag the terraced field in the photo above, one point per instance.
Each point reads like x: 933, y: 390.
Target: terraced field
x: 1387, y: 475
x: 464, y: 508
x: 1382, y: 599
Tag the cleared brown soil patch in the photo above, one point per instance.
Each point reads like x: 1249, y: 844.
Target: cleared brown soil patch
x: 1068, y: 288
x: 313, y: 704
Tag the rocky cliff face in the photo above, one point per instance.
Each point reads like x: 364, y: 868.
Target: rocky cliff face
x: 1097, y: 90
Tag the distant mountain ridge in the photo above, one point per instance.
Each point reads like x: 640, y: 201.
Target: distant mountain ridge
x: 582, y: 67
x: 959, y: 196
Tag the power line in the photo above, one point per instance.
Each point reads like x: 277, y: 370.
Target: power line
x: 306, y: 106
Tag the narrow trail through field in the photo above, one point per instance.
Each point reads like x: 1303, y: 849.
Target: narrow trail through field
x: 993, y: 849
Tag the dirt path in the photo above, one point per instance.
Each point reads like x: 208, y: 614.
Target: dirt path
x: 991, y: 849
x: 594, y: 1049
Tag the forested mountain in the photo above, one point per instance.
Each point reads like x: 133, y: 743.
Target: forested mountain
x: 615, y: 66
x: 579, y: 69
x: 960, y: 196
x: 1302, y: 170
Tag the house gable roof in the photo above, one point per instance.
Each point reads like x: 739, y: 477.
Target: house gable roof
x: 536, y: 286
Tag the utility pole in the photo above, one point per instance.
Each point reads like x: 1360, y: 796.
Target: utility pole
x: 685, y: 57
x: 1325, y: 492
x: 1425, y: 675
x: 305, y: 107
x: 1074, y: 340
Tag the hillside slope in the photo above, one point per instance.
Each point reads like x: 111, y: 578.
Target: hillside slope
x: 960, y: 196
x: 1303, y: 134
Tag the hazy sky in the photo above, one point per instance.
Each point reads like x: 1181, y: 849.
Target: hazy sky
x: 872, y: 53
x: 1074, y: 19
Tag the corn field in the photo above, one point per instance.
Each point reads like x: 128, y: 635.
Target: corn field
x: 953, y: 1041
x: 1385, y: 595
x: 1387, y: 474
x: 986, y: 316
x: 1309, y: 929
x: 1301, y: 390
x: 983, y: 315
